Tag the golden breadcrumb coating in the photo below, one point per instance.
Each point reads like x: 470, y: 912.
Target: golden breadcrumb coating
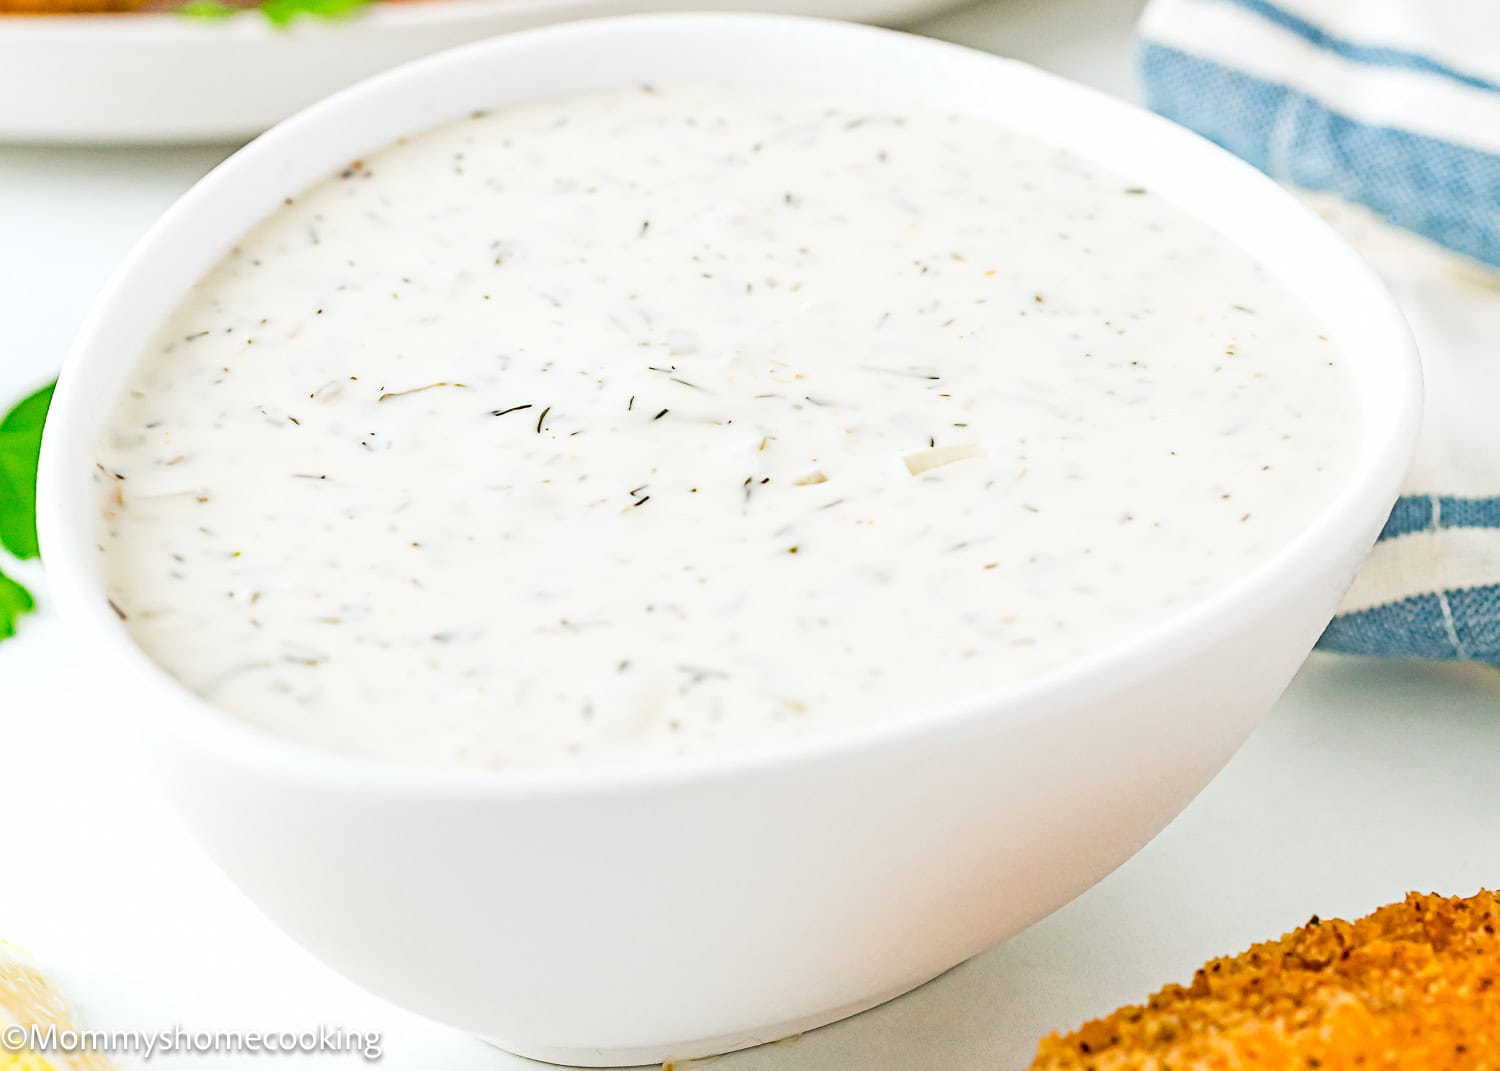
x: 1415, y: 986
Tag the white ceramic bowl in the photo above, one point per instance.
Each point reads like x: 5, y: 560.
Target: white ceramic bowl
x: 627, y: 915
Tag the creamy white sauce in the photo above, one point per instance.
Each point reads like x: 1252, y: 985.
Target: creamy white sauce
x: 598, y: 429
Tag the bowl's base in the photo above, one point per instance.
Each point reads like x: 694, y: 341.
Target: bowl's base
x: 669, y: 1053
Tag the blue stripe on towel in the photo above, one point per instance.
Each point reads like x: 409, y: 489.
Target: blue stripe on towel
x: 1447, y: 192
x: 1476, y: 617
x: 1370, y: 55
x: 1411, y: 628
x: 1468, y: 512
x: 1412, y: 513
x: 1462, y: 624
x: 1416, y: 513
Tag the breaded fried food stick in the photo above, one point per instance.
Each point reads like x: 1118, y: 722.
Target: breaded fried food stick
x: 1415, y: 986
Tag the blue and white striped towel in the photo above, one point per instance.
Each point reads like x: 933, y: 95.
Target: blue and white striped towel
x: 1386, y: 113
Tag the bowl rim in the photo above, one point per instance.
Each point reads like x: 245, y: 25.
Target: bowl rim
x: 172, y: 709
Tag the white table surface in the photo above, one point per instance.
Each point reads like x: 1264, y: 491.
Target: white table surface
x: 1368, y: 779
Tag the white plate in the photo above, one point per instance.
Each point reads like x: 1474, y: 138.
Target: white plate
x: 161, y: 77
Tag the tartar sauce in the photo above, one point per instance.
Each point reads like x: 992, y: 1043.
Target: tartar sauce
x: 691, y: 419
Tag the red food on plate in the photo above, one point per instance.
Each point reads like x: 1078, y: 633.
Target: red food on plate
x: 70, y: 7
